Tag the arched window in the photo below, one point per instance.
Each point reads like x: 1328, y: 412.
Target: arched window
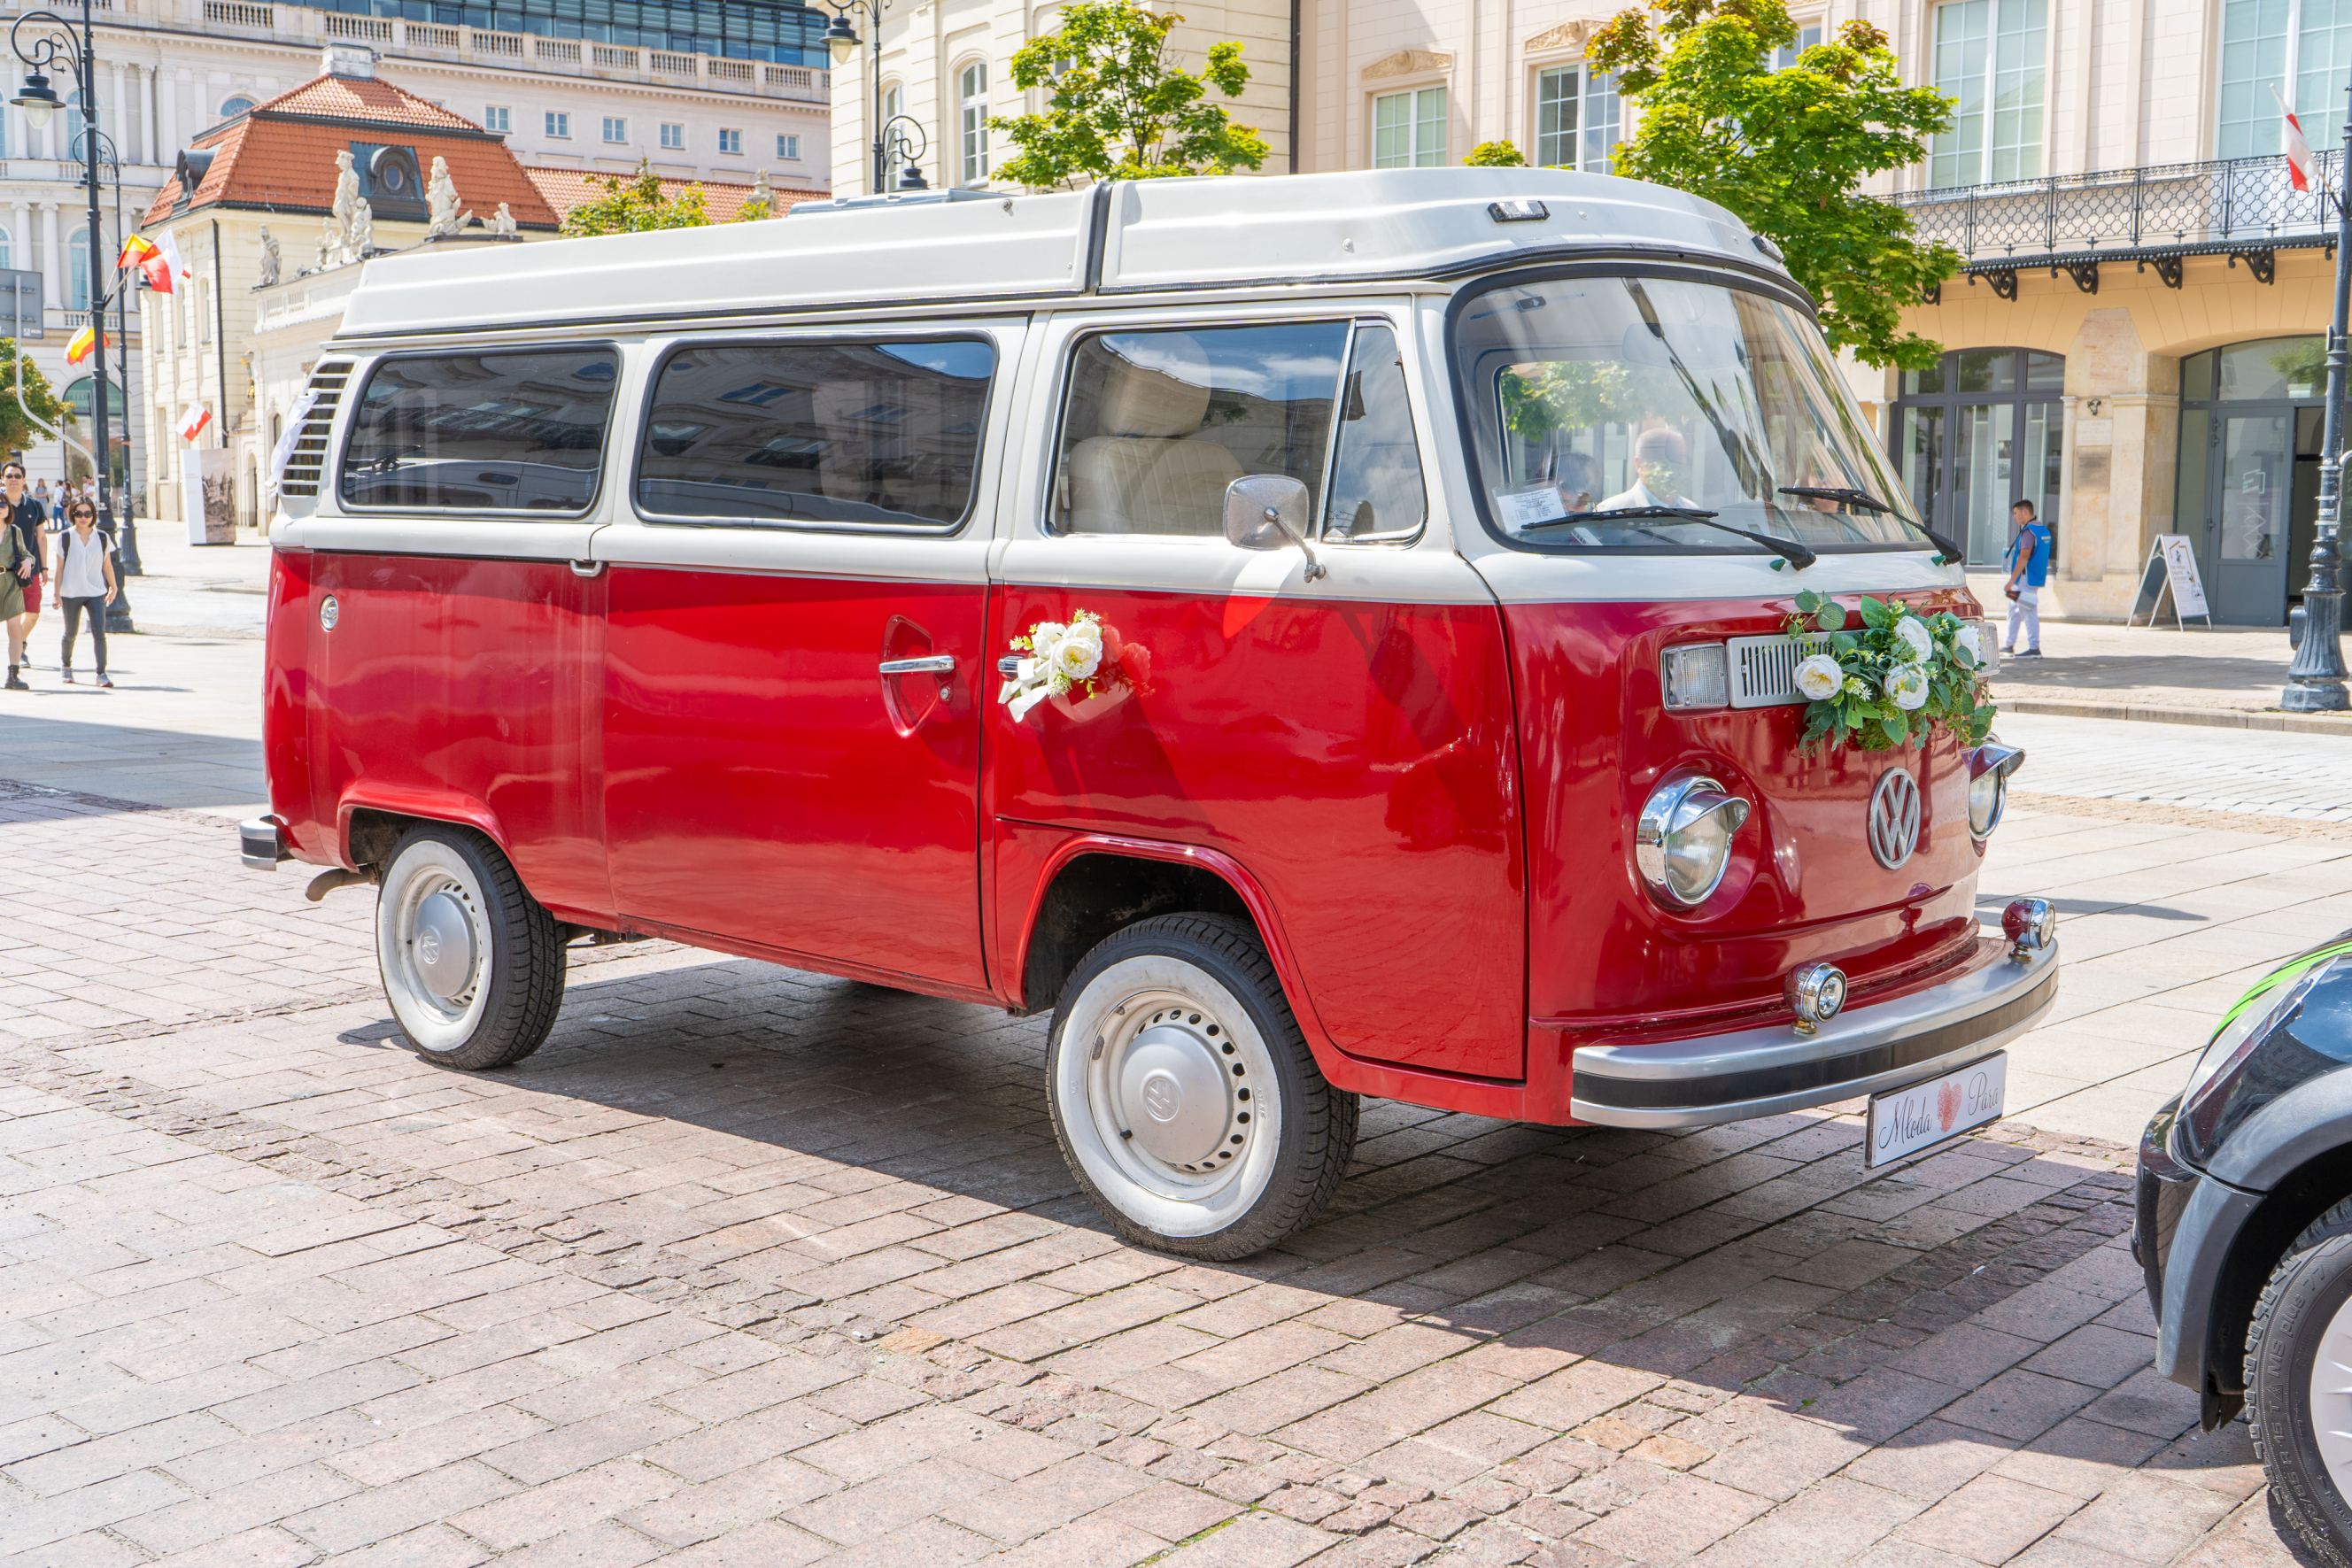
x: 972, y: 97
x: 77, y: 397
x: 77, y: 270
x: 7, y: 250
x: 894, y: 101
x: 1983, y: 429
x: 235, y: 105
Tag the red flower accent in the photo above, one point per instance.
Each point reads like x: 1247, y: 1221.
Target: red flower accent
x: 1947, y: 1106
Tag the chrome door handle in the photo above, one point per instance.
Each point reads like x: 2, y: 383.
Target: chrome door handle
x: 1008, y: 665
x: 933, y: 664
x: 587, y: 569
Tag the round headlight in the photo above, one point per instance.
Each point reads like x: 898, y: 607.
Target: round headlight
x: 1989, y: 766
x: 1682, y: 844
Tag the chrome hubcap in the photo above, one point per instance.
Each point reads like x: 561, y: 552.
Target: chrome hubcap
x: 441, y: 945
x: 1175, y: 1084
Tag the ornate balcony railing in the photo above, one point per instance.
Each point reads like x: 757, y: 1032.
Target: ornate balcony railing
x: 2242, y: 207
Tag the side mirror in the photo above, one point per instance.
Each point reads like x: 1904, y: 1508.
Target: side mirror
x: 1266, y: 511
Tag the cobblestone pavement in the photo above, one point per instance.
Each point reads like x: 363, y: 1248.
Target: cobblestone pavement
x: 749, y: 1266
x: 2295, y: 776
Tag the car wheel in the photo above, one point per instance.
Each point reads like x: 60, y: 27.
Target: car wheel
x: 1184, y: 1096
x: 472, y: 965
x: 2299, y: 1384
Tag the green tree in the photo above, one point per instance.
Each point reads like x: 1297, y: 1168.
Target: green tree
x: 1117, y: 107
x: 16, y: 431
x: 1495, y: 155
x: 1785, y: 150
x: 635, y: 205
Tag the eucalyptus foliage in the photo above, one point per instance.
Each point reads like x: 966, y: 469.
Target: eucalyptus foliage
x: 1788, y: 150
x: 1117, y: 107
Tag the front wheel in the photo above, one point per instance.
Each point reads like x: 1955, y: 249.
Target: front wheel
x: 472, y: 965
x: 1184, y: 1096
x: 2299, y: 1384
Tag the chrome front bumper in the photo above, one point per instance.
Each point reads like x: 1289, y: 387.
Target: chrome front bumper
x: 1763, y: 1071
x: 260, y: 843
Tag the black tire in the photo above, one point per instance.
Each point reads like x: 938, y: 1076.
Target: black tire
x: 1314, y: 1124
x: 516, y: 975
x: 2305, y: 1293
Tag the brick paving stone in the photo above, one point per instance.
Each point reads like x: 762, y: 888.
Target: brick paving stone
x: 1990, y: 1519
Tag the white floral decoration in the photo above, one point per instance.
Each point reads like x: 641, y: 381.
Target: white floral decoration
x: 1907, y: 686
x: 1819, y: 678
x: 1913, y: 633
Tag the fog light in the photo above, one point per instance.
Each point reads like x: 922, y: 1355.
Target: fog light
x: 1696, y: 675
x: 1682, y: 844
x: 1989, y: 766
x: 2031, y: 925
x: 1816, y: 994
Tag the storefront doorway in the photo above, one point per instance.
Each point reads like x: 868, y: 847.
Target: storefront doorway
x: 2249, y: 487
x: 1981, y: 429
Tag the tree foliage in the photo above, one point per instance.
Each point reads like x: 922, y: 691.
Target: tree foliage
x: 636, y: 205
x: 1495, y: 155
x: 16, y: 431
x: 1117, y: 107
x: 1785, y: 149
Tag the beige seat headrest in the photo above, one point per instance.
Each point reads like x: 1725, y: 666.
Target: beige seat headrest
x: 1166, y: 397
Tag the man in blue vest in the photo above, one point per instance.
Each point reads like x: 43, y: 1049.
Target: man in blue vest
x: 2029, y: 570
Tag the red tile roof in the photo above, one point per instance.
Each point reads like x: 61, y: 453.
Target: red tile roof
x: 280, y: 156
x: 721, y: 199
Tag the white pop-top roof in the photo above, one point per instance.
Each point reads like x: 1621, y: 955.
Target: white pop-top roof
x: 1130, y: 236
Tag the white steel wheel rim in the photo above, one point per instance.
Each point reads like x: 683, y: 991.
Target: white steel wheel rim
x: 2331, y: 1398
x: 437, y: 998
x: 1136, y: 1103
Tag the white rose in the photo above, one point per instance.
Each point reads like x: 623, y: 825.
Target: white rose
x: 1047, y: 632
x: 1969, y: 639
x: 1913, y: 633
x: 1820, y: 676
x: 1084, y: 632
x: 1907, y: 686
x: 1076, y: 659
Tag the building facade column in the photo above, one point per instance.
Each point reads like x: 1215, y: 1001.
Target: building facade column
x: 46, y: 250
x: 167, y: 116
x: 20, y: 235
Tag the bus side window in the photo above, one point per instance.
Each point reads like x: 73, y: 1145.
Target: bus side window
x: 511, y: 430
x: 1376, y: 481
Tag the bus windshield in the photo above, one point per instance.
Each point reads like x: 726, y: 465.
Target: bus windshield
x: 1661, y: 414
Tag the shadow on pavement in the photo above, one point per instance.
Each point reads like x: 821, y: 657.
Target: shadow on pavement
x: 119, y: 766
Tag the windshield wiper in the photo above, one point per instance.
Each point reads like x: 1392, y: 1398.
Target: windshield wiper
x: 1947, y: 551
x: 1790, y: 550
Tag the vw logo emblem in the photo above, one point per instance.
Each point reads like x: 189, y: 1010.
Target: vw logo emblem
x: 428, y: 948
x: 1161, y: 1098
x: 1894, y: 822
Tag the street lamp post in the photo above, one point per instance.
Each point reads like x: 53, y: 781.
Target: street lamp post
x: 55, y: 40
x: 899, y: 139
x: 2314, y: 680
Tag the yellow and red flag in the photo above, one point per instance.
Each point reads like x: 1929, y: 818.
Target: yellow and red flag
x: 154, y: 262
x: 79, y: 347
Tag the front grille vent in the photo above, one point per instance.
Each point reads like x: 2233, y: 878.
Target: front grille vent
x: 306, y: 465
x: 1764, y: 669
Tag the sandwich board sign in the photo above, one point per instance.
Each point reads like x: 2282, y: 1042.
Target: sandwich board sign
x: 2170, y: 572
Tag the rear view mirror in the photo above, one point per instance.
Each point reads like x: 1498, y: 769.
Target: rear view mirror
x: 1268, y: 511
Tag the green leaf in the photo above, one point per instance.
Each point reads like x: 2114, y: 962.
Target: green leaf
x: 1829, y: 617
x: 1896, y: 727
x: 1808, y: 601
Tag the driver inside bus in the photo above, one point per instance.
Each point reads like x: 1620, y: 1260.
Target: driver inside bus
x: 1660, y: 460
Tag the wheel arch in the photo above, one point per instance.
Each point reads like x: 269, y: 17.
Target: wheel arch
x: 2298, y: 1199
x: 367, y: 826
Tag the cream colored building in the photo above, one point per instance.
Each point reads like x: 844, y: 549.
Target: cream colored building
x: 948, y: 65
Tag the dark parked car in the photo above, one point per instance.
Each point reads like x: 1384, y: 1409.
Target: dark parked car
x: 2245, y: 1230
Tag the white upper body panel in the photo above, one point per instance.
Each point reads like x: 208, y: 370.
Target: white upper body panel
x: 1145, y: 236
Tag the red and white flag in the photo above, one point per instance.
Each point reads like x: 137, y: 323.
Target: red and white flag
x: 2300, y: 168
x: 193, y: 419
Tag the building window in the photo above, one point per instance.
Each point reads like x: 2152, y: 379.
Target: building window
x: 1807, y: 34
x: 77, y: 270
x: 235, y: 105
x: 615, y: 128
x: 2300, y: 47
x: 1409, y: 129
x: 731, y: 142
x: 559, y: 125
x: 673, y: 136
x: 971, y: 96
x: 6, y: 249
x: 1576, y: 118
x: 894, y: 102
x: 499, y: 118
x: 1981, y: 429
x: 1987, y: 57
x: 788, y: 148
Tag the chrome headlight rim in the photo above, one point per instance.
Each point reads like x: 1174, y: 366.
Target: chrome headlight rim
x: 1989, y: 766
x: 1683, y: 803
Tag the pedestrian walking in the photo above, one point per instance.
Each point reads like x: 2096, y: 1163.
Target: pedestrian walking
x: 49, y: 508
x: 14, y: 568
x: 25, y: 519
x: 2028, y: 570
x: 86, y: 585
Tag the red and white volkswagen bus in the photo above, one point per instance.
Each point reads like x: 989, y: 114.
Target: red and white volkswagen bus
x: 1321, y: 637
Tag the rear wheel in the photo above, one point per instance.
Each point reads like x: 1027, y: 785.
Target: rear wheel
x: 1184, y: 1096
x: 472, y: 965
x: 2299, y: 1384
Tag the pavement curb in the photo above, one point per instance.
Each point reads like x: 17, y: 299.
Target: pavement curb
x: 2210, y: 718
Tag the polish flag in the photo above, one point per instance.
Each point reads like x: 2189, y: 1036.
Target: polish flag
x: 2300, y: 168
x: 193, y: 419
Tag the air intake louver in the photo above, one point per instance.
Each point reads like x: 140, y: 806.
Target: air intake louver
x: 1764, y: 669
x: 306, y: 467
